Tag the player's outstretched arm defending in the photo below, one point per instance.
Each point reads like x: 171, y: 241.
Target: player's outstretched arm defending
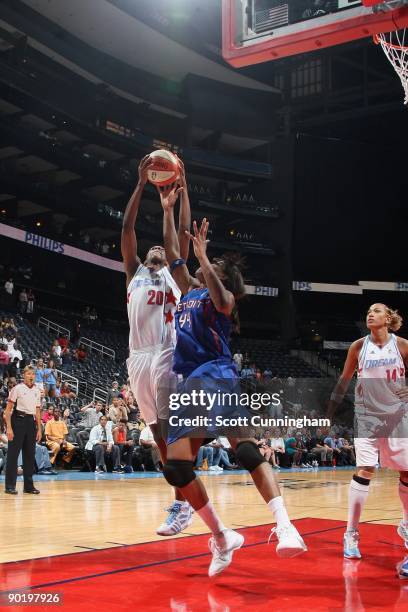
x: 128, y: 240
x: 222, y: 299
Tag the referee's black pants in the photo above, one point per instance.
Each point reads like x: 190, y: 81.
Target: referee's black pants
x: 25, y: 433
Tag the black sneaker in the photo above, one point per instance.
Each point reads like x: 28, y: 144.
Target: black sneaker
x: 11, y: 491
x: 32, y: 491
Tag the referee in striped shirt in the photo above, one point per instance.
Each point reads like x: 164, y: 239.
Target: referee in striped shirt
x: 23, y: 420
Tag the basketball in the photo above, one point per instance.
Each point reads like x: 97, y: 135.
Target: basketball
x: 165, y: 169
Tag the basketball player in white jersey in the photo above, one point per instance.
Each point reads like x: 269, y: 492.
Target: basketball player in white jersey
x: 381, y: 416
x: 152, y: 296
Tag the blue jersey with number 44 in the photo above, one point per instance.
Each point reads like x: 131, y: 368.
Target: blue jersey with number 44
x: 203, y: 333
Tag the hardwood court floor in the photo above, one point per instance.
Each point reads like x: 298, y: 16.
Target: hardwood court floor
x: 98, y: 512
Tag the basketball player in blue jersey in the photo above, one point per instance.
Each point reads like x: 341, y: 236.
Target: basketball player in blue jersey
x: 381, y: 406
x: 152, y: 295
x: 203, y: 325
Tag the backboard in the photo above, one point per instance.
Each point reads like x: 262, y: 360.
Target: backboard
x: 256, y: 31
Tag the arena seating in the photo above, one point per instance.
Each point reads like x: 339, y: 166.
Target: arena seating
x: 267, y: 354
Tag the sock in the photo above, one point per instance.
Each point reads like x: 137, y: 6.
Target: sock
x: 209, y: 516
x: 277, y: 506
x: 358, y: 494
x: 403, y: 493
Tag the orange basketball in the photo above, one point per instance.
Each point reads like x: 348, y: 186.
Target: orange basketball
x: 165, y: 169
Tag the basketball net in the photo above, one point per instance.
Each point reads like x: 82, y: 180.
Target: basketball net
x: 395, y: 48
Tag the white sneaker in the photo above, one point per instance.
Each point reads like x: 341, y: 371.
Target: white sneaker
x: 213, y: 468
x: 222, y: 551
x: 403, y: 532
x: 290, y: 541
x: 179, y: 518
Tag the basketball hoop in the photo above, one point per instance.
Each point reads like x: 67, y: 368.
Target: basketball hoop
x: 395, y: 47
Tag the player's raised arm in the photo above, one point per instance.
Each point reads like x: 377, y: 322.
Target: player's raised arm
x: 128, y: 240
x: 222, y: 299
x: 178, y: 268
x: 184, y: 215
x: 343, y: 383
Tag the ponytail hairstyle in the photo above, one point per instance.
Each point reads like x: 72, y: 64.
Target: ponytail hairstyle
x: 395, y: 319
x: 231, y: 265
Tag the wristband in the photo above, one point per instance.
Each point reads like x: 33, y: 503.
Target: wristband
x: 176, y: 263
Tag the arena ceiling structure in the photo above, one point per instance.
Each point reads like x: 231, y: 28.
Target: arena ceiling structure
x: 154, y: 71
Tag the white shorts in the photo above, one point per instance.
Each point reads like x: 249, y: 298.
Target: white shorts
x: 389, y: 452
x: 152, y: 380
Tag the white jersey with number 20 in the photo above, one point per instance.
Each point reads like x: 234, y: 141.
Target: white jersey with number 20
x: 152, y: 297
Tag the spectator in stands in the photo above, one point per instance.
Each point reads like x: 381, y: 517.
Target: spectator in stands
x: 55, y: 434
x: 317, y: 446
x: 147, y: 442
x: 66, y: 359
x: 86, y: 313
x: 47, y: 413
x: 238, y: 359
x: 102, y: 444
x: 76, y: 332
x: 30, y: 301
x: 81, y: 353
x: 221, y: 458
x: 119, y: 433
x: 258, y: 374
x: 247, y: 372
x: 93, y: 316
x: 348, y: 450
x: 39, y: 374
x: 124, y: 391
x: 301, y: 440
x: 56, y: 351
x: 291, y: 449
x: 13, y: 370
x: 277, y: 445
x: 50, y: 379
x: 133, y: 413
x: 42, y: 460
x: 22, y: 301
x: 204, y: 458
x: 332, y: 441
x: 114, y: 392
x: 91, y: 414
x: 11, y: 341
x: 9, y: 290
x: 15, y: 353
x: 66, y: 391
x: 265, y: 448
x: 4, y: 360
x: 63, y: 341
x: 117, y: 410
x: 66, y: 417
x: 267, y: 375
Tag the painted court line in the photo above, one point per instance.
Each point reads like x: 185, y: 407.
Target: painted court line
x: 153, y: 564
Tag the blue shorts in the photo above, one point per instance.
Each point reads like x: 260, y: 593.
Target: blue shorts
x: 208, y: 396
